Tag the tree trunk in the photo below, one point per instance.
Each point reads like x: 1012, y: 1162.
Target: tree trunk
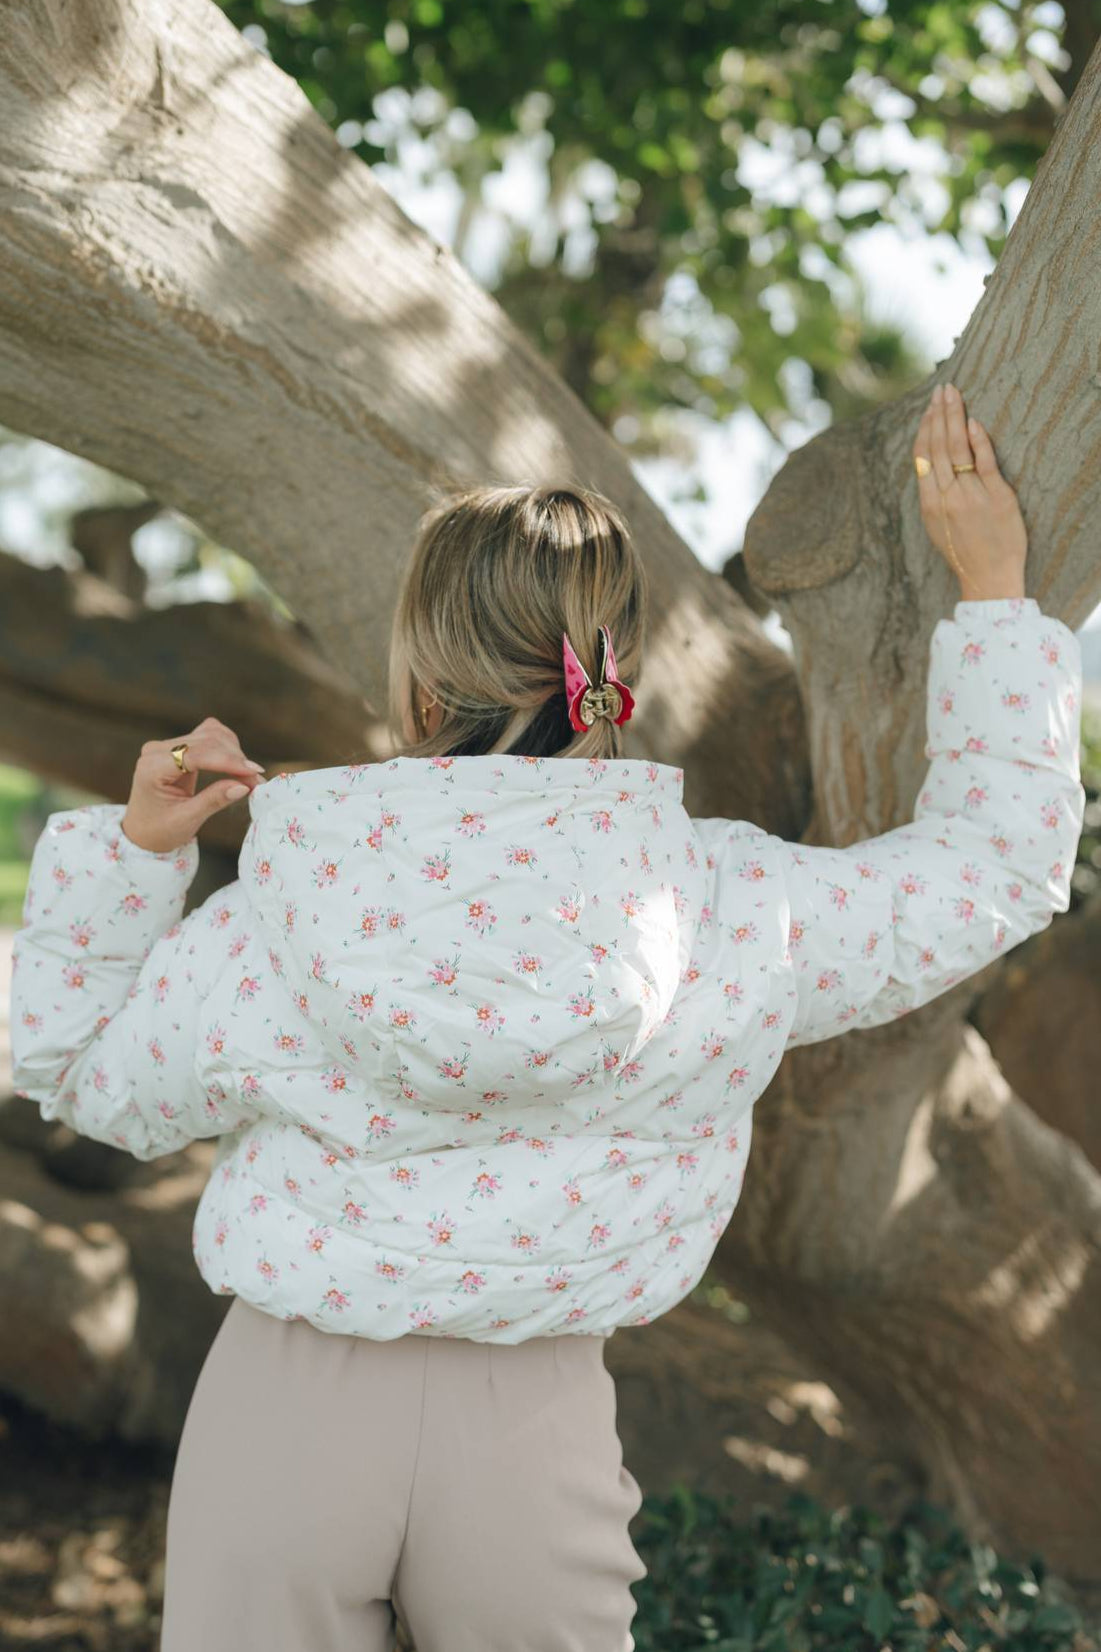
x: 198, y: 284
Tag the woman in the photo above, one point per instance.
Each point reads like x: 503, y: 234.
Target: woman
x: 479, y: 1030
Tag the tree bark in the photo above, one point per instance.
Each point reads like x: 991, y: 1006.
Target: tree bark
x: 201, y: 290
x: 909, y: 1212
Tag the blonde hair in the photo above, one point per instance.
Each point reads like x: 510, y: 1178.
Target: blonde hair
x: 495, y: 577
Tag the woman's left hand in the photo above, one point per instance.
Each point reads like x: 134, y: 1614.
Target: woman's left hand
x: 164, y: 810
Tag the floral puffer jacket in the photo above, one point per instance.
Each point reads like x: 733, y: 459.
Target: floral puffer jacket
x: 480, y: 1038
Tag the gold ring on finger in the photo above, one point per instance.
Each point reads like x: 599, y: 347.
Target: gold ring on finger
x: 959, y: 469
x: 922, y: 465
x: 178, y: 757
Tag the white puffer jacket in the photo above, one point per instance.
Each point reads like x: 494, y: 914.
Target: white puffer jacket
x: 481, y: 1037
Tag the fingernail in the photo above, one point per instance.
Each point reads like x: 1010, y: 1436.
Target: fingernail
x: 235, y: 792
x: 938, y: 393
x: 252, y: 764
x: 951, y: 392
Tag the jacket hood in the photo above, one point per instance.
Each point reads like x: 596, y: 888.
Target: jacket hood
x: 442, y: 922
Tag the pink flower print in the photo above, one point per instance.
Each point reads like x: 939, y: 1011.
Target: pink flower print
x: 32, y: 1020
x: 437, y: 868
x: 221, y: 1232
x: 526, y: 963
x: 736, y: 1077
x: 630, y: 905
x: 644, y: 859
x: 631, y: 1071
x: 1050, y: 815
x: 81, y: 935
x: 261, y: 871
x: 733, y: 992
x: 370, y: 922
x: 691, y: 973
x: 602, y: 820
x: 353, y: 1213
x: 581, y: 1003
x: 730, y: 1141
x: 770, y: 1019
x: 911, y: 883
x: 535, y: 1059
x: 672, y: 1098
x: 470, y: 823
x: 239, y: 944
x: 63, y: 880
x: 975, y: 743
x: 486, y: 1185
x: 73, y: 976
x: 330, y: 1159
x: 516, y: 856
x: 528, y: 1242
x: 752, y: 871
x: 687, y: 1162
x: 318, y: 967
x: 441, y: 1229
x: 389, y: 820
x: 216, y: 1040
x: 422, y: 1316
x: 288, y: 1043
x: 258, y: 1203
x: 335, y: 1299
x: 156, y: 1050
x: 361, y: 1005
x: 380, y: 1126
x: 335, y: 1080
x: 599, y: 1234
x: 326, y: 874
x: 828, y: 980
x: 597, y: 952
x: 404, y: 1175
x: 441, y: 762
x: 373, y: 838
x: 572, y: 1190
x: 295, y: 833
x: 704, y: 1127
x: 712, y: 1046
x: 870, y: 944
x: 247, y: 988
x: 444, y: 973
x: 797, y: 932
x: 402, y: 1018
x: 839, y: 896
x: 972, y: 653
x: 290, y: 917
x: 1014, y: 891
x: 975, y: 796
x: 392, y: 1272
x: 1014, y: 700
x: 597, y: 766
x: 1001, y: 845
x: 964, y: 908
x: 558, y: 1279
x: 453, y: 1067
x: 568, y: 909
x: 488, y: 1017
x: 293, y: 1187
x: 317, y: 1238
x: 480, y: 916
x: 926, y: 958
x: 132, y: 903
x: 471, y: 1281
x: 616, y: 1158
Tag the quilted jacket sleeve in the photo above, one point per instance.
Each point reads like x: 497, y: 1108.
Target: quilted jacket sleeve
x: 879, y: 928
x: 107, y: 986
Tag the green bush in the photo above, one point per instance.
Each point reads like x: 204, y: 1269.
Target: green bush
x: 811, y: 1579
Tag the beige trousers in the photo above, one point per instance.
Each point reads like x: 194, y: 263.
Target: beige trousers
x: 324, y: 1480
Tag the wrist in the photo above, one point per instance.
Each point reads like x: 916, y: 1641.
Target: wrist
x: 1004, y: 591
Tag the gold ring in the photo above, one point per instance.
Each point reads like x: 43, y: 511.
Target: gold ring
x: 178, y: 757
x: 959, y: 469
x: 922, y: 465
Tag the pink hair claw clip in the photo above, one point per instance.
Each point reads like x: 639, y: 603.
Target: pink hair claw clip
x: 586, y: 701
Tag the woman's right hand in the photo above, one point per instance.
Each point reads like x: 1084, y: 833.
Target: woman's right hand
x: 973, y: 519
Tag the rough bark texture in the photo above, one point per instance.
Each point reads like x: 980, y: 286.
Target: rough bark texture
x: 201, y: 290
